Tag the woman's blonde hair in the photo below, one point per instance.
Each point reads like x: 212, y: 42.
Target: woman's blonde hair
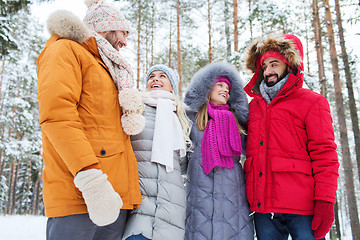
x: 202, y: 118
x: 185, y: 122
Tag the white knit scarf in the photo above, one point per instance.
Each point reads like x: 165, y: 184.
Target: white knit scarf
x: 118, y: 67
x: 168, y: 134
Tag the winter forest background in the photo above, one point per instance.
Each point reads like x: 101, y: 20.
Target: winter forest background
x: 186, y: 35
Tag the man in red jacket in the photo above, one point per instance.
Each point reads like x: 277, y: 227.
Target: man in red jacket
x: 291, y: 168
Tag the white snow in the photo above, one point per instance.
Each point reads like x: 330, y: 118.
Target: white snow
x: 27, y: 227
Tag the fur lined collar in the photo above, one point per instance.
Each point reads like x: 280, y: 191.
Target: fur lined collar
x: 203, y: 81
x: 67, y: 25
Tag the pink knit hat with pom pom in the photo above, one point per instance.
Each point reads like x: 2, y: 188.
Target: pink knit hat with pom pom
x: 102, y: 16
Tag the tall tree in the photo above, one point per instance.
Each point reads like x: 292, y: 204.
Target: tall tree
x: 345, y: 150
x: 227, y: 29
x: 138, y: 46
x: 236, y: 31
x: 349, y: 85
x: 178, y: 11
x: 209, y: 30
x: 319, y: 47
x: 18, y: 119
x: 250, y: 21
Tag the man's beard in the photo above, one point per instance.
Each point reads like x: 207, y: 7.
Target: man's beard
x: 270, y: 84
x: 111, y: 38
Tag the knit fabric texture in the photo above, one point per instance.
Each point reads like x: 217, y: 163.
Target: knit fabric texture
x: 172, y: 75
x: 102, y: 16
x: 225, y: 80
x: 221, y: 140
x: 274, y: 54
x: 120, y: 70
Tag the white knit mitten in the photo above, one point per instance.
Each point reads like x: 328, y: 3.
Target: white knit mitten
x: 102, y: 202
x: 131, y: 102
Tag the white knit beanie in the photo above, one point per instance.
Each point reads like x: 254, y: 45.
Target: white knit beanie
x: 102, y: 17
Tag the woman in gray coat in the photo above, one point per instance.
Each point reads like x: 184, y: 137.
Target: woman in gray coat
x: 160, y: 151
x: 217, y: 208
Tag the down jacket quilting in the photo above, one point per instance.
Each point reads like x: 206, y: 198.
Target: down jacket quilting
x: 80, y: 120
x: 217, y: 207
x: 291, y: 154
x: 162, y: 212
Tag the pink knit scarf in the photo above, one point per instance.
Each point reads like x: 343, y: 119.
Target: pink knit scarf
x: 221, y: 140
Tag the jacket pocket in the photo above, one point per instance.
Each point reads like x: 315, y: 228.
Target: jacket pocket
x: 104, y: 149
x: 116, y: 163
x: 292, y: 184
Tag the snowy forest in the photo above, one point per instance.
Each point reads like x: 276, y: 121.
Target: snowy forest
x: 186, y: 35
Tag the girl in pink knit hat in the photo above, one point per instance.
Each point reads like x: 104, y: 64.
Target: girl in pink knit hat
x: 216, y: 206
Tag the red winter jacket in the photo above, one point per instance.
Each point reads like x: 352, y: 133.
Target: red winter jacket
x: 291, y: 153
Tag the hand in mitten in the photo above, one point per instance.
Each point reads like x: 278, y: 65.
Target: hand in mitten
x: 102, y: 202
x: 131, y: 102
x: 323, y: 218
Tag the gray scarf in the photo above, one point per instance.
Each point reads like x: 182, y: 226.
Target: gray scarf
x: 269, y: 93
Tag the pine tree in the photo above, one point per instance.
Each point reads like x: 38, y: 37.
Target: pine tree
x: 346, y: 157
x: 20, y: 129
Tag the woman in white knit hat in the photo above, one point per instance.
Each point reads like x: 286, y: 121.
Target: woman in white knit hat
x: 160, y: 152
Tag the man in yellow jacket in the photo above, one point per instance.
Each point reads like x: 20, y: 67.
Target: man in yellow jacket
x: 90, y: 168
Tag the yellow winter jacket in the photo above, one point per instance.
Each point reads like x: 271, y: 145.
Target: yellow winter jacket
x: 81, y: 127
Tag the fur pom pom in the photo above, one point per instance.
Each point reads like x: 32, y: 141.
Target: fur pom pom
x: 88, y: 3
x: 131, y: 100
x: 133, y: 123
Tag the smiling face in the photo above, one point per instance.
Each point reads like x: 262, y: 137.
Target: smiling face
x: 158, y: 80
x: 116, y: 38
x: 274, y: 70
x: 219, y: 95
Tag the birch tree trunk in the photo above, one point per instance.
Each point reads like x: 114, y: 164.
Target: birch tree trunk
x: 209, y: 31
x: 347, y: 164
x: 138, y: 46
x: 2, y: 75
x: 319, y: 47
x: 349, y: 85
x: 170, y: 38
x: 152, y: 33
x: 179, y: 47
x: 250, y: 21
x: 227, y: 29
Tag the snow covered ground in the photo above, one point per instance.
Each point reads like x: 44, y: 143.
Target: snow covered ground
x: 22, y: 227
x: 33, y: 228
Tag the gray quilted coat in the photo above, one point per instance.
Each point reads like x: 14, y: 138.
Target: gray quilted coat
x: 216, y: 204
x: 162, y: 212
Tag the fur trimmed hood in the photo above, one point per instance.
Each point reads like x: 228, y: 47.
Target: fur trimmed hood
x: 203, y: 81
x: 65, y: 24
x: 287, y: 45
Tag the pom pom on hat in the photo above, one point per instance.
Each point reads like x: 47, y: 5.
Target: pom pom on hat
x: 172, y: 75
x: 131, y: 102
x: 102, y: 16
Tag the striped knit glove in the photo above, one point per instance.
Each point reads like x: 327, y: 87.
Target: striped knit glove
x: 323, y: 218
x: 102, y: 202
